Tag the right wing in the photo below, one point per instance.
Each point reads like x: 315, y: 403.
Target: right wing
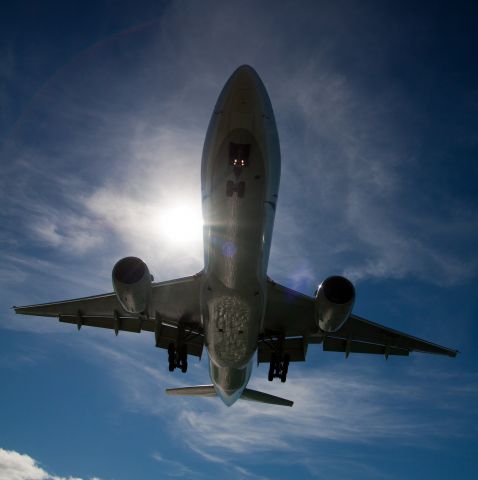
x: 290, y: 325
x: 174, y: 306
x: 365, y: 336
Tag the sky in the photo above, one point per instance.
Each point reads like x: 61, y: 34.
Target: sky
x: 104, y: 109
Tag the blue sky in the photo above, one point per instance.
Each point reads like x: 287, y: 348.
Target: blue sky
x: 104, y: 108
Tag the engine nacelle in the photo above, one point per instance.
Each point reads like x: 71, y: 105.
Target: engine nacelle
x: 335, y: 299
x: 132, y: 284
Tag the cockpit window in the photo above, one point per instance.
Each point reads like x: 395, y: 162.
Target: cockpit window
x: 239, y: 154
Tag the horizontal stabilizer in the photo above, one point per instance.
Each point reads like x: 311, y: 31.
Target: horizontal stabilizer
x: 247, y: 394
x: 197, y: 391
x: 255, y: 396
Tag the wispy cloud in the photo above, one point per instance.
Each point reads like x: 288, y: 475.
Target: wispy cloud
x: 345, y: 156
x: 335, y: 406
x: 18, y: 466
x: 232, y: 468
x: 341, y: 405
x: 173, y: 468
x: 372, y: 219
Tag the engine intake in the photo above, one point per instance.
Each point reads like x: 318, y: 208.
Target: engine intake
x: 132, y: 284
x: 335, y: 299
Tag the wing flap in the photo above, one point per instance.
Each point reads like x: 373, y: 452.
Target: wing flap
x: 362, y: 330
x: 341, y: 345
x: 98, y: 305
x: 127, y: 324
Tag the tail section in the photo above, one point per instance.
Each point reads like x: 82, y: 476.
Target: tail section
x: 247, y: 394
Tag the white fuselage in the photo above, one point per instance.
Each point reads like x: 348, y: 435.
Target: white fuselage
x: 240, y: 181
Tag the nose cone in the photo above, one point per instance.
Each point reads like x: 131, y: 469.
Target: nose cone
x: 245, y: 78
x: 244, y: 92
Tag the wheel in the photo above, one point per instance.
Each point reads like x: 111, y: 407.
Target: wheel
x: 272, y: 368
x: 183, y: 358
x: 285, y: 368
x: 184, y: 367
x: 286, y: 362
x: 171, y: 352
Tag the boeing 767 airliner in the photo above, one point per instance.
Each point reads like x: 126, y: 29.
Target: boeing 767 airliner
x: 231, y: 306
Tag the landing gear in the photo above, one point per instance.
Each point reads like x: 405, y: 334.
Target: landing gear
x: 178, y: 357
x: 278, y: 367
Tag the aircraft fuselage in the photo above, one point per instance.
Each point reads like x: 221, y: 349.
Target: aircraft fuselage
x: 239, y: 184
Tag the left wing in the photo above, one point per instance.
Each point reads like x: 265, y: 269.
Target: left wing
x: 174, y: 310
x: 290, y: 319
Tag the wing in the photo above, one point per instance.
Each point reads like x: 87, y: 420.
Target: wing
x: 174, y: 311
x: 290, y: 321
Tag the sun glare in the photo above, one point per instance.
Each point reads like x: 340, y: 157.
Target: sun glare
x: 180, y: 224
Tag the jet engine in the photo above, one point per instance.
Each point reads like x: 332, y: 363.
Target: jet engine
x: 132, y: 284
x: 334, y: 299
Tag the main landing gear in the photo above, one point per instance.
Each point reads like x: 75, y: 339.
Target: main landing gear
x: 278, y: 367
x: 178, y: 357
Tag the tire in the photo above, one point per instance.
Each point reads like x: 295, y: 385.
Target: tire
x: 272, y: 368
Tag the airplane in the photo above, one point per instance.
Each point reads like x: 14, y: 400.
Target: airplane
x: 231, y: 306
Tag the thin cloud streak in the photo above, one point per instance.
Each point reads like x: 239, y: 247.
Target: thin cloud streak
x: 148, y: 157
x: 358, y: 183
x: 174, y: 468
x: 339, y: 405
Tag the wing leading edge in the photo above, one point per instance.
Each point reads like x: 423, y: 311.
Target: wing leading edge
x: 290, y: 318
x: 174, y: 306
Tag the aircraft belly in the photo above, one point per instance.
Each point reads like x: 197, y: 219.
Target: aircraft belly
x: 239, y: 185
x: 234, y: 228
x: 236, y: 210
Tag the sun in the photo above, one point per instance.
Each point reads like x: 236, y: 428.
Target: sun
x: 180, y: 223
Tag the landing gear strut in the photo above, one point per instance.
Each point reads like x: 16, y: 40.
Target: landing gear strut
x: 278, y: 367
x: 178, y: 357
